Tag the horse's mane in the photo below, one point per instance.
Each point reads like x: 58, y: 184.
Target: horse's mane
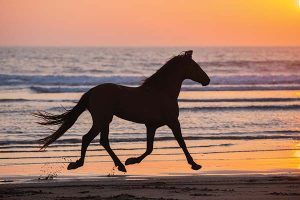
x: 157, y: 79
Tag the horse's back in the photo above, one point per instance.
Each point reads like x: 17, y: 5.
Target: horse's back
x: 135, y: 104
x: 108, y: 98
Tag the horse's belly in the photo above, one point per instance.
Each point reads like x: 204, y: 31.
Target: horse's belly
x: 139, y: 112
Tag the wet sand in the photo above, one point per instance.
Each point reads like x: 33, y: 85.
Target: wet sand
x: 174, y: 187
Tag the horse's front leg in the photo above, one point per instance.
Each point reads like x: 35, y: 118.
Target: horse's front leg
x: 86, y: 140
x: 175, y: 127
x: 150, y: 139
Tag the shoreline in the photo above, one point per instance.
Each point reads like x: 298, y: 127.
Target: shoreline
x: 159, y: 187
x: 115, y: 174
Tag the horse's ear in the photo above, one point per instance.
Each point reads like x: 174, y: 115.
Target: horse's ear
x: 189, y: 53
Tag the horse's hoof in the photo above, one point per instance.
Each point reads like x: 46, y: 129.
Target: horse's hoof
x: 74, y: 165
x: 131, y: 161
x: 196, y: 167
x: 122, y: 168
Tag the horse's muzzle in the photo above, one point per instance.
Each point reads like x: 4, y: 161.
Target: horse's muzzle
x: 206, y: 82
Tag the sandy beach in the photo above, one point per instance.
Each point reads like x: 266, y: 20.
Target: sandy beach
x: 174, y: 187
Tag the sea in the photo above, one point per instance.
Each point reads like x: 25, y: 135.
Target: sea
x: 246, y: 121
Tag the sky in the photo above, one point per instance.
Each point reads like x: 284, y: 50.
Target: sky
x: 149, y: 23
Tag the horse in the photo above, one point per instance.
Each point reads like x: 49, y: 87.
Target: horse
x: 153, y: 103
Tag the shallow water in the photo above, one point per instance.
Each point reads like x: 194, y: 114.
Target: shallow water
x: 246, y: 121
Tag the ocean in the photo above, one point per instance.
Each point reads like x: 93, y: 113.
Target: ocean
x: 246, y: 121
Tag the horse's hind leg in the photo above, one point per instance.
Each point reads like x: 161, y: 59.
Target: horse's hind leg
x: 86, y: 140
x: 105, y: 143
x: 150, y: 139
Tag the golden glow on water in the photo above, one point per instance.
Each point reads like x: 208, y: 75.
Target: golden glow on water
x: 297, y: 155
x: 165, y: 162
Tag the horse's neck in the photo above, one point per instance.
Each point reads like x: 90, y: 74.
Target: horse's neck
x: 170, y: 83
x: 172, y: 86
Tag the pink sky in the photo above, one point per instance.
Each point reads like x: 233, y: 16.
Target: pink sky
x: 150, y: 23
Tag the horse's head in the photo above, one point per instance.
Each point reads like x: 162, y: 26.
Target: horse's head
x: 193, y: 71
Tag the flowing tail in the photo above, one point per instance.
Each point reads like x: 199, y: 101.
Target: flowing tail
x: 65, y: 120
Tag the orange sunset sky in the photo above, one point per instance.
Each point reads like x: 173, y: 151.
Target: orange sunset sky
x: 150, y: 23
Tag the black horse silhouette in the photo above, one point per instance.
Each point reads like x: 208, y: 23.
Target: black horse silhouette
x: 154, y: 104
